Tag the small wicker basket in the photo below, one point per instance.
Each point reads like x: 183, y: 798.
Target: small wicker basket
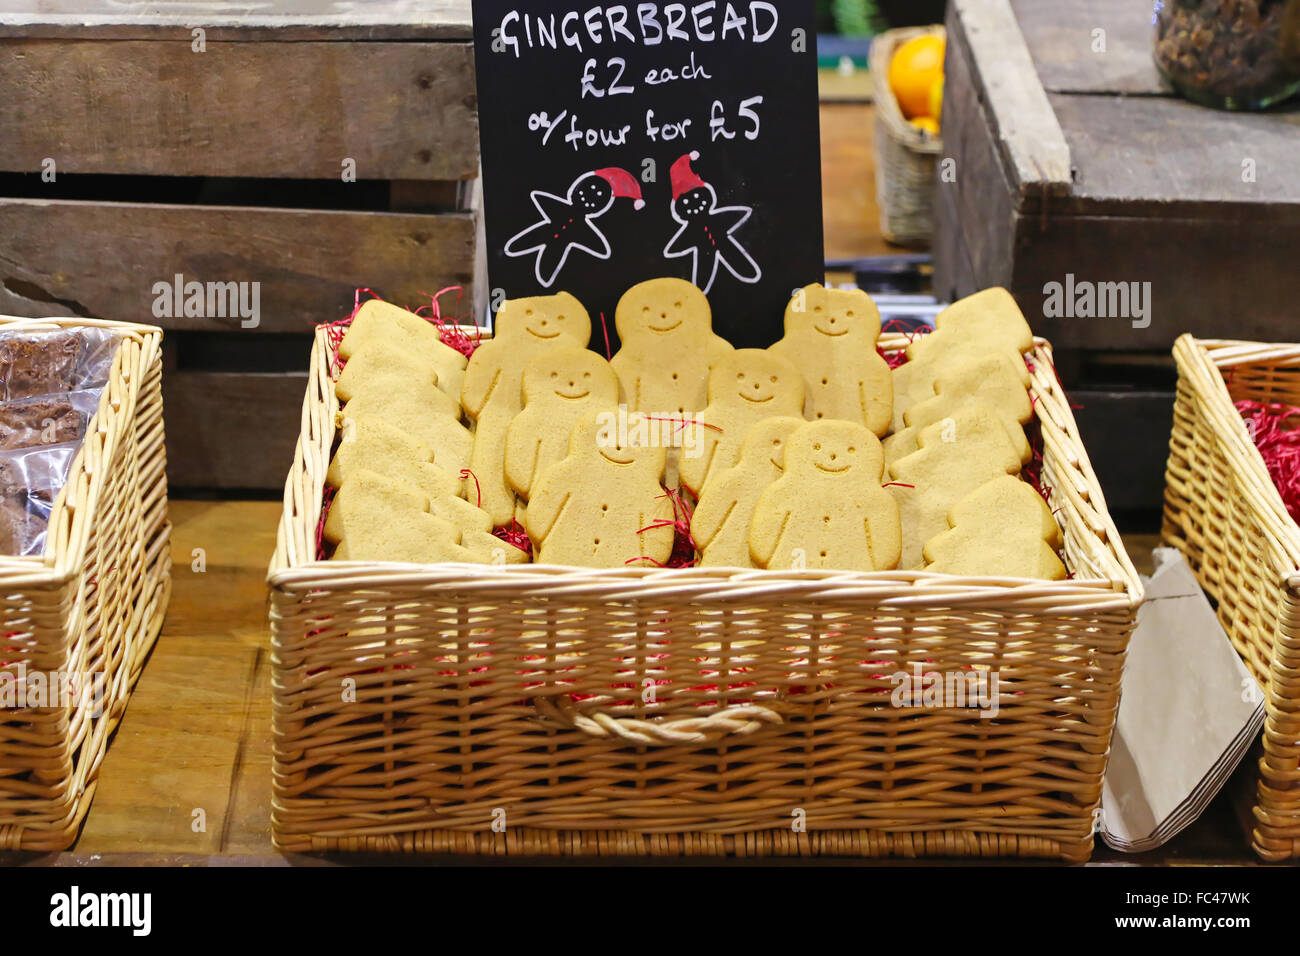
x: 1224, y: 513
x: 92, y: 604
x: 906, y: 157
x: 546, y: 710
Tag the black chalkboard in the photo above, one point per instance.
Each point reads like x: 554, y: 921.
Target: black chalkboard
x: 626, y: 141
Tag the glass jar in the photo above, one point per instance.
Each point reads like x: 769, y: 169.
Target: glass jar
x: 1230, y: 54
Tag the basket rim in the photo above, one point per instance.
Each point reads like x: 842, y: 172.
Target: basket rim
x: 887, y: 109
x: 295, y: 568
x: 1201, y: 363
x: 72, y: 513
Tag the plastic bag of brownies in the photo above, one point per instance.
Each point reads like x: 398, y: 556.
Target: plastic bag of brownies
x: 54, y: 361
x: 30, y: 481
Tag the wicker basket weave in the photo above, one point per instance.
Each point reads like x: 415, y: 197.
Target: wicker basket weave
x: 479, y: 709
x: 1224, y: 513
x: 92, y: 604
x: 905, y: 156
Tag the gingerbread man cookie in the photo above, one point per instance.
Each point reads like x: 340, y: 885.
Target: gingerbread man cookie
x: 828, y: 509
x: 1002, y: 528
x: 602, y: 505
x: 493, y: 392
x: 989, y: 321
x: 955, y: 456
x: 410, y: 411
x: 830, y: 335
x: 996, y: 379
x: 559, y: 386
x: 720, y: 523
x: 745, y: 387
x: 382, y: 369
x: 374, y: 518
x: 387, y: 324
x: 370, y: 444
x: 668, y: 346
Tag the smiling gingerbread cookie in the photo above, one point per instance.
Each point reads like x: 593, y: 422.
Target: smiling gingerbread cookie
x: 602, y: 505
x: 559, y: 386
x: 746, y: 387
x: 830, y: 336
x: 493, y: 390
x: 828, y: 509
x: 668, y: 346
x: 720, y: 522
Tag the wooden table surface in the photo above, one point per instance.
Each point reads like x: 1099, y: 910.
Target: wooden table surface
x: 187, y: 779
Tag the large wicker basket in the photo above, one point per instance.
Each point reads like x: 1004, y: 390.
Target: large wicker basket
x: 906, y: 158
x: 1224, y: 513
x: 92, y: 604
x: 468, y: 709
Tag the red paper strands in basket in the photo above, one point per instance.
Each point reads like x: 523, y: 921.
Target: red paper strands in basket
x: 1275, y: 428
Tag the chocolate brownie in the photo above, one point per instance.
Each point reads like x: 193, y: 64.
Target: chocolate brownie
x: 38, y: 363
x: 42, y: 421
x: 18, y: 527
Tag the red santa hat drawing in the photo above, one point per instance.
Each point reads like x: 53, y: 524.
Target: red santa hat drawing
x: 623, y: 183
x: 683, y: 178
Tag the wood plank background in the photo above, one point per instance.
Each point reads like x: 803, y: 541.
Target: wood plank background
x: 273, y: 20
x: 400, y: 110
x: 71, y: 257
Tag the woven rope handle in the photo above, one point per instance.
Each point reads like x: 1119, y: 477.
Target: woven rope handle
x: 738, y: 721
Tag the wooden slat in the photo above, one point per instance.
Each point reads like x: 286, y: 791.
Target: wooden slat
x: 102, y: 259
x: 1028, y: 134
x: 399, y: 110
x: 1139, y: 155
x: 975, y: 230
x: 231, y: 430
x: 263, y: 20
x: 1208, y: 277
x: 1066, y: 52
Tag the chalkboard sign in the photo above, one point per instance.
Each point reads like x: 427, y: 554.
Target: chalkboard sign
x: 623, y: 142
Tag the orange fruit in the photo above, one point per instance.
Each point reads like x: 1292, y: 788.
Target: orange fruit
x: 927, y: 124
x: 936, y: 98
x: 913, y: 70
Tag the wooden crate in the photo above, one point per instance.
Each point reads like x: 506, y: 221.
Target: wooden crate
x: 1069, y: 158
x: 226, y: 165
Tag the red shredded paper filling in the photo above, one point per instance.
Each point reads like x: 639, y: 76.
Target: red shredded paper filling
x: 1275, y: 427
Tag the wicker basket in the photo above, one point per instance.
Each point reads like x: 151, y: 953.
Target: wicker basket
x: 92, y: 604
x: 1224, y: 513
x: 473, y: 709
x: 905, y: 156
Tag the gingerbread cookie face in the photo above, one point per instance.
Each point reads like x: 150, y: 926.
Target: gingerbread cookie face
x: 559, y: 386
x: 720, y: 523
x: 602, y: 505
x: 745, y: 387
x: 387, y: 325
x: 995, y: 379
x: 1003, y: 528
x: 493, y: 391
x: 828, y: 509
x: 668, y: 346
x: 830, y: 336
x: 955, y: 456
